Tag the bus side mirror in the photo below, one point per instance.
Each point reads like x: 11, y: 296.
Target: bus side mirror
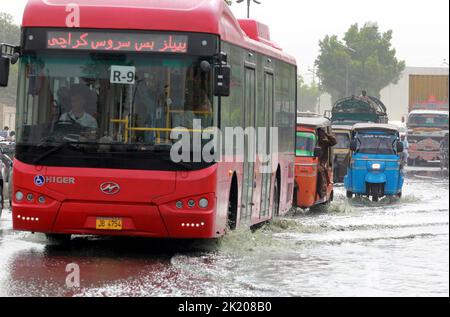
x: 4, y: 71
x: 318, y: 152
x: 353, y: 145
x: 222, y: 80
x: 400, y: 147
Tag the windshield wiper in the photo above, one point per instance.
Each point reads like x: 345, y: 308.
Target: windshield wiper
x: 51, y: 151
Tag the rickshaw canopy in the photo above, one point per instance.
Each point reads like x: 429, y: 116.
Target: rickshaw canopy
x: 375, y: 126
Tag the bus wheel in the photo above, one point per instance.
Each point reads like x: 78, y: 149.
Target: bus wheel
x: 349, y: 195
x: 295, y: 200
x: 276, y: 198
x: 58, y: 238
x: 233, y: 205
x: 2, y: 199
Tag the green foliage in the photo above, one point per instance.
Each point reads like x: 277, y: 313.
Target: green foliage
x: 10, y: 34
x: 307, y: 96
x: 371, y: 66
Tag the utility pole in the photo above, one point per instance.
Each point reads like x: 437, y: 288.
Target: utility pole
x: 347, y: 70
x: 314, y: 73
x: 248, y: 5
x: 347, y: 79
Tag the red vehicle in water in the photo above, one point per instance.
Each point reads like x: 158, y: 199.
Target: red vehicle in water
x: 307, y: 162
x: 97, y: 104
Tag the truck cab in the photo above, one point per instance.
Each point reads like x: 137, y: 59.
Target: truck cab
x: 426, y: 130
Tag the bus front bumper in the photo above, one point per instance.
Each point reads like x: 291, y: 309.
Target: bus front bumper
x: 81, y: 218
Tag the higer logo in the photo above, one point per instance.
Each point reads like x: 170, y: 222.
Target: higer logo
x: 110, y: 188
x: 40, y: 180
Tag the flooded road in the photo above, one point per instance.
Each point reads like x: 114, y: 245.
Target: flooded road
x: 355, y: 248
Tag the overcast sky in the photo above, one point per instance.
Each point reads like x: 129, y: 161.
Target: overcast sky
x: 421, y: 28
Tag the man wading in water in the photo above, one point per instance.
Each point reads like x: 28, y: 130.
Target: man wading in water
x: 326, y: 141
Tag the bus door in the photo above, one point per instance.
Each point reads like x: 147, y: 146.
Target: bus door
x: 267, y: 166
x: 248, y: 182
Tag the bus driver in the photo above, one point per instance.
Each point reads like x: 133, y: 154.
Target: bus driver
x: 78, y: 100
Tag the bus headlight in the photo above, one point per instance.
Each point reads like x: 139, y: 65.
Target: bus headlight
x: 19, y: 196
x: 179, y: 204
x: 203, y: 203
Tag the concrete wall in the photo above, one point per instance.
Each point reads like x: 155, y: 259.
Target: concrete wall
x: 396, y: 97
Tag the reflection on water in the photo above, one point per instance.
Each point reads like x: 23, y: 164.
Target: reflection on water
x: 355, y: 248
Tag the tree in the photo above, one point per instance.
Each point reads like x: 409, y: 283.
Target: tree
x: 9, y: 33
x: 307, y: 96
x: 367, y: 59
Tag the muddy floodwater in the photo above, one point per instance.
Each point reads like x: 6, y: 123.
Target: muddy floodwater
x: 355, y: 248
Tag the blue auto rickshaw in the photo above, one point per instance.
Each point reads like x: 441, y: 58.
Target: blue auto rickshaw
x: 376, y: 167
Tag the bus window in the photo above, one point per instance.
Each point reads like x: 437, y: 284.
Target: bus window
x: 168, y: 92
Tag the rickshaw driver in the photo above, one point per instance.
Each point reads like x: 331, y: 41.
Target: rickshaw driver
x: 326, y: 141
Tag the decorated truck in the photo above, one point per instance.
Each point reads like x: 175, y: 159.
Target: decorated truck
x: 428, y: 117
x: 427, y: 127
x: 358, y: 109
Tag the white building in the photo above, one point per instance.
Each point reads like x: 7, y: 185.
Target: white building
x: 396, y: 97
x: 7, y: 117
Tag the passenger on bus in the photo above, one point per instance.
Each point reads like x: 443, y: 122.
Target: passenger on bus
x: 146, y: 107
x: 203, y: 108
x: 326, y: 141
x: 78, y: 100
x: 63, y: 98
x: 164, y: 104
x: 205, y: 103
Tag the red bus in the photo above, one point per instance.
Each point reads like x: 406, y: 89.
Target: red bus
x: 97, y: 102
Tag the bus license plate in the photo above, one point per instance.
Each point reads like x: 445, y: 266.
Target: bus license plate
x: 109, y: 224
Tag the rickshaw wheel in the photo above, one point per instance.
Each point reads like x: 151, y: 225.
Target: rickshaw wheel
x: 349, y: 194
x: 375, y: 199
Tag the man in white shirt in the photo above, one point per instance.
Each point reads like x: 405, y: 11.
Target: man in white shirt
x: 78, y: 114
x: 405, y: 154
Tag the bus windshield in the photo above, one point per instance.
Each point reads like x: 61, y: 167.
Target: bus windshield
x: 306, y: 143
x: 428, y: 120
x: 109, y: 102
x: 376, y: 143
